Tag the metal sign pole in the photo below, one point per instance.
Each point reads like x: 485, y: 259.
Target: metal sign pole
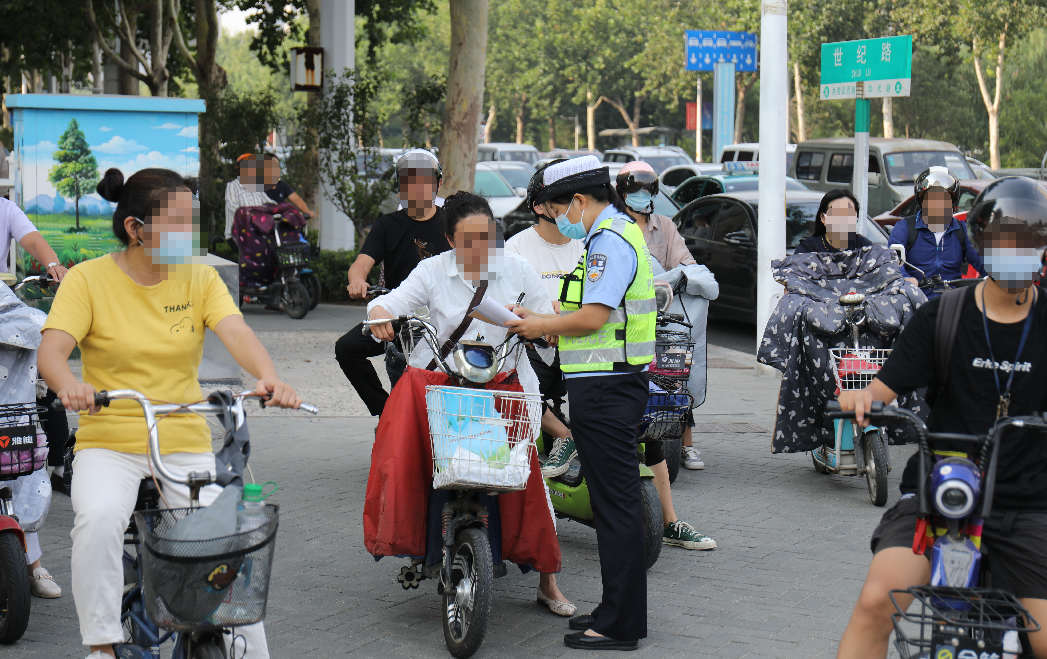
x: 860, y: 179
x: 723, y: 108
x: 774, y: 106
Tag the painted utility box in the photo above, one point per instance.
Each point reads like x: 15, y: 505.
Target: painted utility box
x: 64, y: 143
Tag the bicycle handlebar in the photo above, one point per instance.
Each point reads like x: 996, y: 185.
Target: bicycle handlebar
x: 103, y: 398
x: 43, y: 280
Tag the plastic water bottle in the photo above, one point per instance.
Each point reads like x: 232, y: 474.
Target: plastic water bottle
x: 250, y: 513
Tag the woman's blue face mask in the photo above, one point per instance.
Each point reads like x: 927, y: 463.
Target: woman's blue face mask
x: 640, y: 201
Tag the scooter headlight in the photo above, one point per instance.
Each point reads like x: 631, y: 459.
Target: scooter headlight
x: 956, y: 484
x: 476, y: 361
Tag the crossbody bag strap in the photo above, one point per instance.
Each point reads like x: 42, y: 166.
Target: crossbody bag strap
x: 452, y: 340
x: 945, y: 326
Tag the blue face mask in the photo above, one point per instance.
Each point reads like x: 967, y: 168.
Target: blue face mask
x: 570, y: 229
x: 1012, y: 267
x: 639, y: 201
x: 176, y: 248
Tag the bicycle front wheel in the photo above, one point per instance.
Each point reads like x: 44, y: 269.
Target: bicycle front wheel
x: 875, y: 466
x: 467, y: 595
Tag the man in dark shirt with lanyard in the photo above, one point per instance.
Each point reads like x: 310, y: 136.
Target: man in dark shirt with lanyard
x: 997, y: 367
x: 400, y: 239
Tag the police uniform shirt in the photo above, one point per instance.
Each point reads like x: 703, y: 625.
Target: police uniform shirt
x: 609, y: 269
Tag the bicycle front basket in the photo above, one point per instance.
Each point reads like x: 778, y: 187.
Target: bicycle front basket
x: 482, y: 439
x: 23, y: 447
x: 191, y: 585
x: 986, y: 622
x: 293, y: 256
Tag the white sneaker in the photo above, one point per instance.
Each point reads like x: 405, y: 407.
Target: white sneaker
x: 98, y: 654
x: 691, y: 458
x: 43, y: 585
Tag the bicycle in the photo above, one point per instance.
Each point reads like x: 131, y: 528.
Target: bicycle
x: 959, y: 614
x: 231, y: 575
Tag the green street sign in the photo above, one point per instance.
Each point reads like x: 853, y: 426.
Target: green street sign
x: 884, y: 66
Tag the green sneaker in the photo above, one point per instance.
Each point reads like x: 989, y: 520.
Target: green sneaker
x: 682, y: 534
x: 560, y: 456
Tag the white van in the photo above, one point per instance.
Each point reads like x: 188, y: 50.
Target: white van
x: 750, y: 152
x: 507, y: 151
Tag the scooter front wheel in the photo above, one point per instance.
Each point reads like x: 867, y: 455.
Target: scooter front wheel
x: 467, y: 593
x: 312, y: 285
x: 875, y: 466
x: 295, y: 300
x: 14, y: 588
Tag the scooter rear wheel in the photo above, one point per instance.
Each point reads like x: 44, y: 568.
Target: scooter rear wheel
x: 654, y: 524
x: 14, y: 589
x: 467, y: 595
x: 875, y: 448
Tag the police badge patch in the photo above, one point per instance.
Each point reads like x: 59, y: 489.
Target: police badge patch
x: 595, y: 267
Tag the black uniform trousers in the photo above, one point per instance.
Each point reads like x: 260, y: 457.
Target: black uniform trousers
x: 352, y: 351
x: 605, y: 413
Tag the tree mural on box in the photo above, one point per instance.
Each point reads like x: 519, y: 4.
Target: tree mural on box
x: 75, y: 172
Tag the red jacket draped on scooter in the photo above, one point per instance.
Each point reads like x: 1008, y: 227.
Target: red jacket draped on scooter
x: 402, y: 474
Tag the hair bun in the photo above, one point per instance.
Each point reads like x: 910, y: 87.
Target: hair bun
x: 111, y: 185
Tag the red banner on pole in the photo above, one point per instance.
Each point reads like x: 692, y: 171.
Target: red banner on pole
x: 692, y: 123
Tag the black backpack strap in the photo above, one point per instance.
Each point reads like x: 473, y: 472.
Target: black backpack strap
x: 913, y: 232
x: 963, y: 247
x: 950, y: 307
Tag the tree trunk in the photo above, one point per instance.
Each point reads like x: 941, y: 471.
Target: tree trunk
x: 992, y: 107
x: 96, y: 68
x: 128, y: 83
x: 552, y: 132
x: 888, y: 117
x: 489, y: 126
x: 590, y: 119
x: 744, y: 84
x: 801, y: 127
x: 521, y: 108
x: 630, y: 122
x: 77, y: 203
x: 465, y: 93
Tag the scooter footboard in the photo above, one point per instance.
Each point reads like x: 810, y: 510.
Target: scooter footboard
x: 943, y: 621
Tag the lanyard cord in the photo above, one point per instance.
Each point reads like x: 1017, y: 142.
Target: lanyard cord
x: 1021, y: 344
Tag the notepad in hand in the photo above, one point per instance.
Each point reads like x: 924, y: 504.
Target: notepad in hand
x: 491, y: 312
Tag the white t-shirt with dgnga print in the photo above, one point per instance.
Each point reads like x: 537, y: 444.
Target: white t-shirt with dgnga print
x: 551, y: 262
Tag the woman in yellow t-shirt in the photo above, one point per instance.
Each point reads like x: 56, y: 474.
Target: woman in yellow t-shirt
x: 139, y: 316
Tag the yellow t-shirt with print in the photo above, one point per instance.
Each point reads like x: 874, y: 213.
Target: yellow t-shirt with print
x: 146, y: 338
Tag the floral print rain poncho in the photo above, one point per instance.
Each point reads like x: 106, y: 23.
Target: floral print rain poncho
x: 809, y: 320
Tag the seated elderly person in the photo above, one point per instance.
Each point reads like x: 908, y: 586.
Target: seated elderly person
x: 447, y: 283
x: 249, y: 189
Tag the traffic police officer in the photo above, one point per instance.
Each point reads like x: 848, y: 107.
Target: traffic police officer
x: 606, y: 329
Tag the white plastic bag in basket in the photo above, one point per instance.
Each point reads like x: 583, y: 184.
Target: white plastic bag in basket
x: 468, y: 468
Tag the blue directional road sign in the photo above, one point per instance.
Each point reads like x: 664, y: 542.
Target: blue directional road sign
x: 705, y: 48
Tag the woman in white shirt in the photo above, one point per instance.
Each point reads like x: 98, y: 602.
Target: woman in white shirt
x: 447, y: 282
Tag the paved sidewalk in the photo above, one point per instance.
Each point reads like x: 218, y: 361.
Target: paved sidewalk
x: 793, y: 545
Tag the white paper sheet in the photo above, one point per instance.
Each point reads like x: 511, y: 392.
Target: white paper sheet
x: 491, y: 312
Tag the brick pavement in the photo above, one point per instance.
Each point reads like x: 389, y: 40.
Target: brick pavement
x: 793, y: 545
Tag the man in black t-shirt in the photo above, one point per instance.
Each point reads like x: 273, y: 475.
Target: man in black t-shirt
x: 1008, y: 224
x: 277, y: 189
x: 400, y: 239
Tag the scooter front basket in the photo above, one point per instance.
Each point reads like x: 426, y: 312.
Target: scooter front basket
x: 855, y: 368
x: 482, y: 439
x: 943, y: 618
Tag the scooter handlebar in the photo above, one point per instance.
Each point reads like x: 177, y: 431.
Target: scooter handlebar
x: 833, y: 411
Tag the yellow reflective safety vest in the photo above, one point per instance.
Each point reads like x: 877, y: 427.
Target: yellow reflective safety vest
x: 626, y: 342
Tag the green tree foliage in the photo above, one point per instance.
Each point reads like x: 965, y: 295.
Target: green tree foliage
x: 344, y: 124
x: 42, y: 35
x: 75, y: 172
x: 1023, y: 122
